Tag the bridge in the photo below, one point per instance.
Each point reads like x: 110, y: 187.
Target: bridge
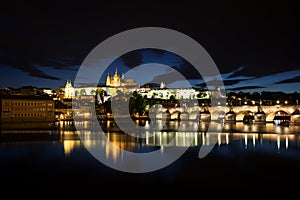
x: 245, y: 113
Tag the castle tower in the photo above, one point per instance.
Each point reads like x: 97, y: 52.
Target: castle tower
x: 116, y: 73
x: 116, y: 79
x: 69, y: 90
x: 108, y: 80
x: 162, y: 85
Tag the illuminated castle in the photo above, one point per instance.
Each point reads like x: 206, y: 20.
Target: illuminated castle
x: 119, y: 81
x: 69, y: 90
x: 115, y: 80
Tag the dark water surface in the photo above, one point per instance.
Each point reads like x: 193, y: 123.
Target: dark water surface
x: 58, y: 163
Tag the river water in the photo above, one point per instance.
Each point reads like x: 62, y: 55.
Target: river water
x: 249, y: 158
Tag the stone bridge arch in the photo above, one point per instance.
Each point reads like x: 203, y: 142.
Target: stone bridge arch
x: 175, y: 115
x: 242, y: 113
x: 270, y: 117
x: 245, y: 116
x: 295, y: 116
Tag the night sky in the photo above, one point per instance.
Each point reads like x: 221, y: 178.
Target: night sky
x: 256, y: 45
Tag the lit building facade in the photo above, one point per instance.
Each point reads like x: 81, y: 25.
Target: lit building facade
x: 27, y: 109
x: 174, y: 93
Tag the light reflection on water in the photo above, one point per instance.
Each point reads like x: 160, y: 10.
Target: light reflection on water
x: 240, y: 160
x: 182, y: 139
x: 275, y: 139
x: 266, y: 137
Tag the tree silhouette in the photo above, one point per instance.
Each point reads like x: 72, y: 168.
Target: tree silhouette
x: 82, y: 91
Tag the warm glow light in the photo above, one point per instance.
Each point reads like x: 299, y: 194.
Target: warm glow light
x: 207, y: 141
x: 286, y: 142
x: 111, y: 151
x: 147, y: 138
x: 196, y: 126
x: 160, y: 139
x: 154, y: 137
x: 85, y: 124
x: 147, y: 125
x: 68, y: 146
x: 162, y: 149
x: 61, y: 124
x: 246, y: 128
x: 227, y: 138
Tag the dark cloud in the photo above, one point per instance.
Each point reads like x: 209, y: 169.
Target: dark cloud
x: 172, y: 60
x: 245, y: 88
x: 167, y: 78
x: 144, y: 56
x: 225, y: 82
x: 35, y: 72
x: 35, y: 67
x: 292, y: 80
x: 39, y: 36
x: 132, y: 59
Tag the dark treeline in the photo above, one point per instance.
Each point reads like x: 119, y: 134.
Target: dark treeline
x: 265, y: 98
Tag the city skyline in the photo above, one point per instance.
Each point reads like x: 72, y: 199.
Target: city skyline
x: 90, y: 131
x: 255, y: 48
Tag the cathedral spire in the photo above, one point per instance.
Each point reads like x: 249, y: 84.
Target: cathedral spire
x: 108, y: 80
x: 68, y: 83
x: 162, y: 84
